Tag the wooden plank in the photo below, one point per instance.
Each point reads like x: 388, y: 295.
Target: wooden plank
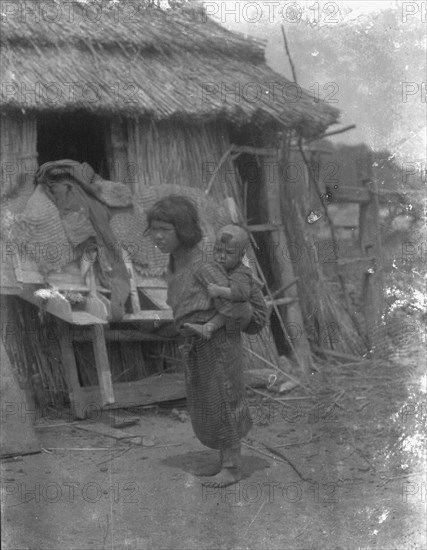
x: 60, y: 308
x: 98, y: 307
x: 349, y: 194
x: 95, y: 308
x: 370, y: 244
x: 157, y: 296
x: 152, y: 315
x: 102, y: 366
x: 150, y: 282
x: 154, y: 389
x: 57, y: 306
x: 70, y: 367
x: 27, y: 271
x: 121, y: 336
x: 86, y: 319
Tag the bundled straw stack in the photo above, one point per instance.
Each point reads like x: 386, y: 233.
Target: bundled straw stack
x: 327, y: 322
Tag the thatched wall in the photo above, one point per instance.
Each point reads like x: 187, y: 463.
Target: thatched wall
x: 18, y: 142
x: 182, y: 154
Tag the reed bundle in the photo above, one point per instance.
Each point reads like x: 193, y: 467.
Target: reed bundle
x: 129, y: 361
x: 327, y: 322
x: 40, y: 355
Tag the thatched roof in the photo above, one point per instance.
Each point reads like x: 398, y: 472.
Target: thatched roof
x: 144, y: 62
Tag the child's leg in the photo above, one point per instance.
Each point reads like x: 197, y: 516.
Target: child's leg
x: 206, y: 330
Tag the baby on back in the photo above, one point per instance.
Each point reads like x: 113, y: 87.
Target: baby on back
x: 231, y: 244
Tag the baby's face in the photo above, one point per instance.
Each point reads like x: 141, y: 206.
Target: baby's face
x: 228, y: 254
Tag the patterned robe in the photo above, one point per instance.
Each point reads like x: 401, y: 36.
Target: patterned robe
x: 213, y: 368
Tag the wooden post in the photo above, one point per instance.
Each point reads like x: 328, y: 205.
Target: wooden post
x: 370, y: 245
x: 102, y: 365
x: 70, y: 370
x: 136, y: 307
x: 282, y: 266
x: 78, y: 394
x: 116, y: 146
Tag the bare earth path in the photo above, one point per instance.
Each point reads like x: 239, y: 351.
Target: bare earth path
x: 353, y: 477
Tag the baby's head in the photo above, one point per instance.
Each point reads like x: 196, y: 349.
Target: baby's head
x: 230, y: 246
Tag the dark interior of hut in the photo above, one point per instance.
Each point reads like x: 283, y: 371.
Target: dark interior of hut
x: 75, y: 136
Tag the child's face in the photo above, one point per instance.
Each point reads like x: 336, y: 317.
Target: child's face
x: 164, y: 236
x: 228, y: 254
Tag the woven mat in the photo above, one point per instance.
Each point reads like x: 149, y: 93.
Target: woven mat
x: 37, y: 226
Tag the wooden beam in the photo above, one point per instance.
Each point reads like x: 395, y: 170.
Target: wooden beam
x: 68, y: 361
x: 120, y: 336
x: 151, y: 315
x: 57, y: 305
x: 370, y: 245
x: 282, y: 268
x: 350, y: 194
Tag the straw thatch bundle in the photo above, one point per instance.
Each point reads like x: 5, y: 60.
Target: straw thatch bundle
x: 327, y: 322
x: 149, y: 63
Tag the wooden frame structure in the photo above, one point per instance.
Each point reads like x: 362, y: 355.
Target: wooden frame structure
x: 89, y: 323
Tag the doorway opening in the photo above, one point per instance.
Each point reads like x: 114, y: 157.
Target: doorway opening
x: 252, y: 175
x: 74, y: 136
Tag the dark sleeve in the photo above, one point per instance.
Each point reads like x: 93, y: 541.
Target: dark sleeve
x: 212, y: 273
x: 240, y: 282
x: 259, y: 316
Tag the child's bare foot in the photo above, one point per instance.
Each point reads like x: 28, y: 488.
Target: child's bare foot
x: 204, y: 331
x: 208, y: 471
x: 226, y: 477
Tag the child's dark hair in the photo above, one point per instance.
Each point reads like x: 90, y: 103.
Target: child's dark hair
x: 182, y: 213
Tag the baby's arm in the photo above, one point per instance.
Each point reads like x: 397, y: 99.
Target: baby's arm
x: 217, y: 291
x: 211, y: 273
x: 206, y: 330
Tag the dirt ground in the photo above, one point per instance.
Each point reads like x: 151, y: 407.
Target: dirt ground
x: 352, y: 477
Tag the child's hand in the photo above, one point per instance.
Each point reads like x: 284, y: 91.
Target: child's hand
x: 214, y: 290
